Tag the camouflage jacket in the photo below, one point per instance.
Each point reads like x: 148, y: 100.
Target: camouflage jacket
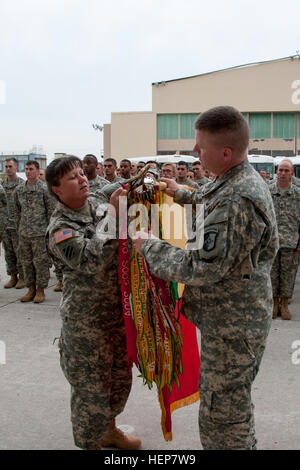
x: 202, y: 181
x: 296, y: 180
x: 188, y: 182
x: 97, y: 183
x: 10, y: 188
x: 228, y: 290
x: 34, y: 206
x: 287, y: 208
x: 3, y: 211
x: 89, y: 260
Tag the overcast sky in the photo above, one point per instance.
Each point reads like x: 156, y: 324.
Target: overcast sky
x: 66, y: 64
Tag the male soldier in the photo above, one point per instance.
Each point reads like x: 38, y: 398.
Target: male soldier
x: 42, y: 175
x: 110, y: 167
x: 286, y: 199
x: 133, y: 170
x: 227, y: 282
x: 96, y: 182
x: 200, y: 179
x: 10, y: 236
x: 140, y: 166
x: 125, y: 168
x: 92, y: 343
x: 181, y: 178
x: 168, y: 170
x: 33, y: 207
x: 3, y: 212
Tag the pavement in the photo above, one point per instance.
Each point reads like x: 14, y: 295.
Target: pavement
x: 35, y: 397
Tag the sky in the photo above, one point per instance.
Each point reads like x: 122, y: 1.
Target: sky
x: 68, y: 64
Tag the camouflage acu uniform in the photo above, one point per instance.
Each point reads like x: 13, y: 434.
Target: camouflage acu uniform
x: 228, y: 295
x: 287, y: 209
x: 34, y: 206
x: 97, y: 183
x: 190, y: 183
x: 296, y: 181
x: 92, y: 342
x: 202, y: 181
x: 10, y: 237
x: 3, y: 212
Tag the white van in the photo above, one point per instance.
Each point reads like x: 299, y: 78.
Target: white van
x: 160, y: 159
x: 263, y: 162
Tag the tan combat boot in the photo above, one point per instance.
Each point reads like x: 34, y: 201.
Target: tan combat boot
x: 29, y: 295
x: 276, y: 302
x: 20, y: 284
x: 285, y: 313
x: 12, y: 282
x: 114, y: 437
x: 58, y: 287
x: 40, y: 295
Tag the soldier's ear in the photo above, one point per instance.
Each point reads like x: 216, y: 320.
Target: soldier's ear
x: 56, y: 190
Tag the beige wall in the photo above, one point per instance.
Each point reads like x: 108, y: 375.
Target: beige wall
x: 263, y: 87
x: 107, y: 140
x: 274, y: 144
x: 133, y: 135
x: 177, y: 145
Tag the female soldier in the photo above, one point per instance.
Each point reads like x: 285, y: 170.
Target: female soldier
x: 92, y: 343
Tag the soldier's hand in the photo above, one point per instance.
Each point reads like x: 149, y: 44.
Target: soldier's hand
x: 140, y: 237
x: 171, y: 188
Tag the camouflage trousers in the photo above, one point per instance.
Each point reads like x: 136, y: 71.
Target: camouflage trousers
x: 283, y: 273
x: 35, y: 261
x: 93, y: 359
x: 228, y: 369
x: 10, y: 244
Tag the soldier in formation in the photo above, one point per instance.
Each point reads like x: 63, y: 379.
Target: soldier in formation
x: 286, y: 199
x: 34, y: 206
x: 181, y: 178
x: 227, y: 293
x: 96, y: 182
x: 200, y: 179
x: 10, y: 236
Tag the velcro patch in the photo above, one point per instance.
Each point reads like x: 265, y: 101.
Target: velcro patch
x: 63, y: 235
x: 69, y: 252
x: 210, y: 237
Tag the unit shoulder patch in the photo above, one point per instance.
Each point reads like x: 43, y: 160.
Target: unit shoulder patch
x: 63, y: 235
x: 210, y: 236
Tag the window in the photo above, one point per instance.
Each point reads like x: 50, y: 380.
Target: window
x: 260, y: 125
x: 167, y: 126
x: 284, y: 125
x: 187, y: 129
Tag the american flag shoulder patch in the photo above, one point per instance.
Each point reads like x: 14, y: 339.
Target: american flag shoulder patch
x: 63, y: 235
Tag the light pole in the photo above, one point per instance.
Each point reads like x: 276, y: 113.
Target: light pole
x: 97, y: 127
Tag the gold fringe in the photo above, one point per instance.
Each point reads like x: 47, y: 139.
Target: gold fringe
x: 189, y: 400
